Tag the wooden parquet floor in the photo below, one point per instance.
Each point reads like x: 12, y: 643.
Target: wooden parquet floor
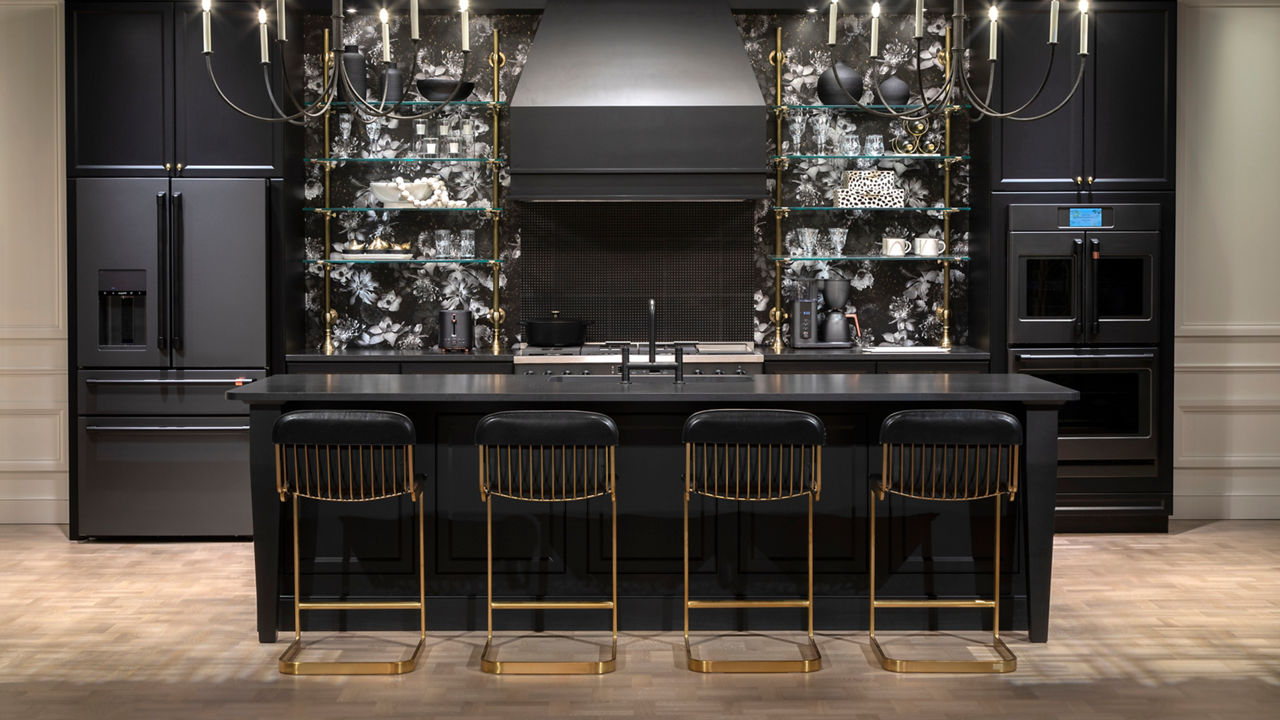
x: 1184, y: 625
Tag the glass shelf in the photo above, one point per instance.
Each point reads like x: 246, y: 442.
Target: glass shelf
x: 872, y: 258
x: 417, y: 103
x: 915, y: 156
x: 794, y: 208
x: 855, y: 108
x: 405, y: 261
x: 406, y: 209
x: 400, y: 159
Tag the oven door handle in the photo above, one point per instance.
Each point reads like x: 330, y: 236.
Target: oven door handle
x: 209, y: 381
x: 1077, y: 254
x: 1095, y: 324
x: 1103, y: 356
x: 166, y: 428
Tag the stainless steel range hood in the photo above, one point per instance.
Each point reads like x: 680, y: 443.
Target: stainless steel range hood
x: 637, y: 100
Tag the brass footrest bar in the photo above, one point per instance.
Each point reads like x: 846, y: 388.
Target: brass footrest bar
x: 703, y: 604
x: 811, y: 663
x: 1007, y: 662
x: 356, y: 605
x: 549, y: 667
x: 934, y: 603
x: 290, y: 665
x: 553, y: 605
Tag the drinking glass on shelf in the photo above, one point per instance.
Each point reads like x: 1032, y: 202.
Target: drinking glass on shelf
x: 430, y: 147
x: 873, y: 146
x: 838, y: 237
x: 850, y: 145
x: 467, y: 243
x: 445, y: 247
x: 808, y: 241
x: 796, y: 126
x: 821, y: 121
x: 453, y: 147
x: 792, y: 243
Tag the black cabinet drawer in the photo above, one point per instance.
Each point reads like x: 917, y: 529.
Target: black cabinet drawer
x: 801, y: 367
x: 931, y: 366
x: 134, y: 392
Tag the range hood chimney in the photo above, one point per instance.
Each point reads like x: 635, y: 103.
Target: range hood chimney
x: 637, y: 100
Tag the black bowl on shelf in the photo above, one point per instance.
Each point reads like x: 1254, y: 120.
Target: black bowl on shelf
x: 439, y: 89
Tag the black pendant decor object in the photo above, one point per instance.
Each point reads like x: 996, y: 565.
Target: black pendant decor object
x: 830, y: 91
x: 353, y: 64
x: 893, y: 91
x: 392, y: 84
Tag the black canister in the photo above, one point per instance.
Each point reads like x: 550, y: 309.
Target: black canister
x: 353, y: 66
x: 456, y: 330
x: 392, y: 84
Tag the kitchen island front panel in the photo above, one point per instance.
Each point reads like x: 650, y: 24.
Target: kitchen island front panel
x: 563, y: 549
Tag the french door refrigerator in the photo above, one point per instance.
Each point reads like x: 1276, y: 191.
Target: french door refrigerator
x: 171, y: 288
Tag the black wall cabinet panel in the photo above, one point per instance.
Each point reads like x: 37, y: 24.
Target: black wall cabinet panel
x: 120, y: 86
x: 1117, y: 132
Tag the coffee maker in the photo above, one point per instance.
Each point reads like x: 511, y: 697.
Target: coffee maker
x: 457, y: 330
x: 818, y: 319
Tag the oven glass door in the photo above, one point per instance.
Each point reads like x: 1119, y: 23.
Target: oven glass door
x: 1114, y: 419
x: 1047, y: 279
x: 1123, y: 286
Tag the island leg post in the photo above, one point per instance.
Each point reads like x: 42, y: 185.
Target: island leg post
x: 266, y: 519
x: 1038, y: 493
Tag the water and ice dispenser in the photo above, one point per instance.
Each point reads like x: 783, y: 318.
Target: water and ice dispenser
x: 122, y: 308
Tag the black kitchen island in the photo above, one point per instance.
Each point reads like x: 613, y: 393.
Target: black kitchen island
x: 563, y: 549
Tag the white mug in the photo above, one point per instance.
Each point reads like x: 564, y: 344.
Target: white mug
x: 925, y: 245
x: 895, y: 247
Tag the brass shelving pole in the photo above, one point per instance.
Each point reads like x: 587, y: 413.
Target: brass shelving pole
x: 328, y: 218
x: 946, y: 202
x: 777, y: 315
x: 496, y: 61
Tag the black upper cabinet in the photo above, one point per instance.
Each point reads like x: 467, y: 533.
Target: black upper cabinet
x: 1117, y: 132
x: 141, y: 102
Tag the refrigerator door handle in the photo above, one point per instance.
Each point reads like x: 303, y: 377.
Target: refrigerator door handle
x: 176, y: 239
x: 162, y: 271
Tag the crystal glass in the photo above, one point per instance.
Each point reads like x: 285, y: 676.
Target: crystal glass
x: 467, y: 243
x: 373, y: 130
x: 850, y: 144
x: 821, y: 121
x: 796, y: 126
x: 808, y: 241
x: 874, y: 145
x: 792, y: 243
x: 445, y: 247
x: 838, y: 237
x: 430, y: 147
x: 453, y: 146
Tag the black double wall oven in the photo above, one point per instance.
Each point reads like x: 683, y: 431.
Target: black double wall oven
x: 1083, y: 311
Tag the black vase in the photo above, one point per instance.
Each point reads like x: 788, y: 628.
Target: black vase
x: 893, y: 91
x: 353, y: 64
x: 392, y: 84
x: 830, y: 92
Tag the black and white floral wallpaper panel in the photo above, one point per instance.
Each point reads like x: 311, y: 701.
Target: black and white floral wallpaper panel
x: 393, y: 305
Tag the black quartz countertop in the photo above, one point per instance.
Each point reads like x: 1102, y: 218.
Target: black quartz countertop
x: 523, y: 389
x: 431, y: 355
x: 884, y: 352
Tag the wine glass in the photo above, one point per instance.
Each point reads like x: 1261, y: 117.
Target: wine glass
x: 873, y: 146
x: 838, y: 237
x: 821, y: 120
x: 797, y: 131
x: 808, y: 241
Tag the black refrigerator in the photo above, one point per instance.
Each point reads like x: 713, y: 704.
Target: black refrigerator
x: 170, y: 312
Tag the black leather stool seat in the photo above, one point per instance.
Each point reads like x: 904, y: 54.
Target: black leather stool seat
x: 548, y: 455
x: 344, y: 455
x: 753, y: 454
x: 949, y: 454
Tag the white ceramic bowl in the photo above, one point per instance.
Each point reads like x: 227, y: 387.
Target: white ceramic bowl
x: 389, y: 194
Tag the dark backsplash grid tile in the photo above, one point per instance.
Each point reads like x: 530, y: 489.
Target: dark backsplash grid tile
x: 601, y: 262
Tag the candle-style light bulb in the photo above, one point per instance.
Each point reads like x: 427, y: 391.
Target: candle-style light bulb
x: 282, y: 33
x: 994, y: 14
x: 262, y: 36
x: 875, y: 29
x: 1084, y: 27
x: 205, y: 7
x: 831, y: 24
x: 413, y: 21
x: 386, y: 35
x: 465, y: 7
x: 919, y: 19
x: 1053, y: 22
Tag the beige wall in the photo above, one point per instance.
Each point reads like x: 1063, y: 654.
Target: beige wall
x: 1227, y: 351
x: 33, y: 316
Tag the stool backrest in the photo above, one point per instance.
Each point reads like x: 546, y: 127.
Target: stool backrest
x: 753, y: 454
x: 546, y: 455
x: 344, y: 455
x: 950, y: 454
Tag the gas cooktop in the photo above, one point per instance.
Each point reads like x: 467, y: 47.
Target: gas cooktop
x: 610, y: 353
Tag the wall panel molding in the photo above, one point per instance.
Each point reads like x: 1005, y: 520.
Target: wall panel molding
x: 1236, y: 331
x: 1223, y: 440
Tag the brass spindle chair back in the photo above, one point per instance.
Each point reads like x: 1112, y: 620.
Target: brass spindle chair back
x: 548, y: 456
x: 753, y: 455
x: 347, y: 456
x: 947, y: 455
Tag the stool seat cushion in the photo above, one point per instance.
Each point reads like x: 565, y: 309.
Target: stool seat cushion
x: 547, y: 427
x: 754, y: 427
x: 343, y: 427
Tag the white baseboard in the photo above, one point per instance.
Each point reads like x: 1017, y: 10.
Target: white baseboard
x: 1226, y: 507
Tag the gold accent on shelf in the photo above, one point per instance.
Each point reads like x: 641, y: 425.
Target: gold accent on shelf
x: 756, y: 484
x: 496, y: 60
x: 778, y: 212
x: 579, y: 474
x: 502, y: 59
x: 916, y: 129
x: 946, y: 202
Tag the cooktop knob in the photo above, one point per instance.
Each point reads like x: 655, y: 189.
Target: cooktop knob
x: 719, y: 371
x: 697, y: 371
x: 546, y: 372
x: 586, y: 372
x: 740, y: 371
x: 528, y: 372
x: 566, y: 372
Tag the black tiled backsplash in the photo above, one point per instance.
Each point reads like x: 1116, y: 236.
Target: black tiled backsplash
x: 602, y: 261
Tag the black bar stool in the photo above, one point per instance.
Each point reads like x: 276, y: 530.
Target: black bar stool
x: 753, y: 455
x: 948, y: 455
x: 347, y: 456
x: 548, y: 456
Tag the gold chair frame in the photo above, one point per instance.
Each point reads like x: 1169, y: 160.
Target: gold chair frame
x: 564, y: 485
x: 764, y: 490
x: 324, y: 489
x: 926, y: 490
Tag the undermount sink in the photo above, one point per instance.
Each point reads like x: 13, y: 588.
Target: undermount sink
x: 647, y: 378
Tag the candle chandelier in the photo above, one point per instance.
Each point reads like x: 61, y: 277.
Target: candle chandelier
x: 956, y: 88
x: 338, y: 86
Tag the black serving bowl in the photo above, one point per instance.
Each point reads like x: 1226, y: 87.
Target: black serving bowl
x: 439, y: 88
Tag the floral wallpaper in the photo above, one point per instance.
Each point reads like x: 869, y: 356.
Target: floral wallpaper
x: 393, y: 305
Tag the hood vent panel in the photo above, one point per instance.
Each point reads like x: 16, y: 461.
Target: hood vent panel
x: 637, y: 100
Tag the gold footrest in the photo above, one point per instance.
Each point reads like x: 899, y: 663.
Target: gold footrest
x: 803, y: 664
x: 975, y: 603
x: 290, y: 665
x: 548, y: 667
x: 358, y: 605
x: 553, y: 605
x: 1007, y: 662
x: 703, y: 604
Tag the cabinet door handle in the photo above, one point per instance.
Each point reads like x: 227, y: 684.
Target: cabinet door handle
x: 1079, y: 180
x: 180, y: 170
x: 166, y: 428
x: 168, y: 167
x: 1088, y: 180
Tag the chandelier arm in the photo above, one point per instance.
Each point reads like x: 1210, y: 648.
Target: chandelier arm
x: 448, y: 101
x: 1010, y: 115
x: 275, y: 104
x: 208, y: 64
x: 377, y: 113
x: 868, y: 109
x: 321, y: 105
x: 986, y: 100
x: 928, y: 105
x: 1059, y: 106
x: 985, y: 106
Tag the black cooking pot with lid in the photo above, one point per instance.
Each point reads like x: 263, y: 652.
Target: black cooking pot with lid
x: 555, y: 331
